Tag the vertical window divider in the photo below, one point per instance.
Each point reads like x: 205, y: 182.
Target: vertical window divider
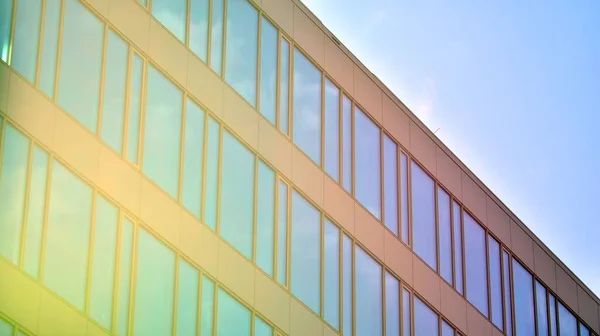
x: 255, y: 209
x: 45, y: 219
x: 59, y: 50
x: 436, y: 212
x: 252, y: 324
x: 512, y: 292
x: 98, y: 131
x: 503, y: 288
x: 188, y: 23
x: 184, y: 99
x: 341, y: 138
x: 116, y: 289
x: 401, y: 294
x: 209, y: 32
x: 13, y: 24
x: 132, y: 286
x: 535, y: 304
x: 383, y: 300
x: 86, y: 309
x: 381, y: 179
x: 258, y: 61
x: 175, y: 293
x: 26, y: 203
x: 322, y: 131
x: 224, y: 44
x: 142, y: 131
x: 549, y: 319
x: 201, y: 277
x: 409, y: 200
x: 352, y: 146
x: 128, y: 79
x: 412, y: 313
x: 215, y: 308
x: 488, y: 274
x: 462, y: 247
x: 36, y: 81
x: 398, y: 190
x: 452, y: 241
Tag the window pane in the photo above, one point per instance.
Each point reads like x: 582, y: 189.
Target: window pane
x: 447, y: 330
x: 369, y: 317
x: 347, y: 143
x: 347, y: 282
x: 406, y: 312
x: 458, y: 251
x: 426, y: 320
x: 162, y: 132
x: 392, y: 305
x: 524, y: 313
x: 507, y: 292
x: 135, y: 109
x: 476, y: 266
x: 282, y: 235
x: 6, y: 329
x: 237, y: 195
x: 67, y: 236
x: 81, y: 64
x: 171, y: 13
x: 566, y: 320
x: 187, y: 299
x: 332, y: 274
x: 284, y: 87
x: 268, y: 70
x: 26, y: 37
x: 367, y: 161
x: 242, y: 48
x: 125, y: 266
x: 332, y: 130
x: 423, y: 216
x: 216, y: 38
x: 445, y: 229
x: 265, y: 218
x: 552, y: 310
x: 390, y: 183
x: 542, y: 309
x: 115, y: 81
x: 495, y: 283
x: 193, y: 157
x: 233, y: 319
x: 199, y: 28
x: 49, y: 46
x: 13, y: 179
x: 155, y: 285
x: 207, y: 309
x: 103, y: 262
x: 306, y: 252
x: 583, y: 330
x: 261, y: 328
x: 404, y: 197
x: 6, y: 9
x: 307, y: 107
x: 212, y: 174
x: 35, y: 212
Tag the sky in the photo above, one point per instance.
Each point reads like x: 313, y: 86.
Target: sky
x: 514, y: 88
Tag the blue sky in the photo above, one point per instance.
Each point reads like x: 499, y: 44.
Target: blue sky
x: 514, y: 88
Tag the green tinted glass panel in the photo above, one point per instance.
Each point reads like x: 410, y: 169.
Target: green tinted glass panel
x: 216, y: 38
x: 67, y: 236
x: 265, y: 225
x: 193, y: 157
x: 268, y: 70
x: 233, y: 319
x: 155, y: 286
x: 103, y: 262
x: 199, y: 28
x: 162, y: 132
x: 331, y: 268
x: 115, y: 82
x: 284, y: 87
x: 212, y: 174
x: 125, y: 265
x: 368, y: 310
x: 187, y: 300
x: 172, y: 14
x: 13, y: 180
x: 27, y: 34
x: 135, y: 108
x: 207, y: 309
x: 6, y: 329
x: 49, y: 47
x: 35, y: 212
x: 282, y: 233
x: 237, y: 195
x: 80, y: 64
x: 6, y: 11
x: 261, y: 328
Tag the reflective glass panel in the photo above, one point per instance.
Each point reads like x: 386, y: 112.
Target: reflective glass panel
x: 193, y: 157
x: 390, y: 184
x: 369, y: 317
x: 347, y: 144
x: 495, y: 274
x: 282, y: 236
x: 476, y: 265
x: 566, y: 321
x: 233, y: 319
x: 404, y: 198
x: 216, y: 36
x: 347, y: 284
x: 187, y: 300
x: 332, y: 130
x: 265, y: 218
x: 6, y: 329
x: 35, y: 212
x: 423, y: 216
x: 583, y: 330
x: 268, y: 70
x: 507, y: 292
x: 331, y: 289
x: 406, y: 312
x: 552, y: 315
x: 261, y: 328
x: 367, y: 163
x: 426, y: 320
x: 212, y: 173
x: 6, y: 11
x: 125, y: 268
x: 284, y: 87
x: 458, y: 251
x: 199, y: 28
x: 49, y: 47
x: 207, y: 309
x: 26, y: 38
x: 541, y: 309
x: 172, y: 14
x: 392, y: 305
x: 135, y: 109
x: 524, y: 313
x: 447, y: 330
x: 445, y: 234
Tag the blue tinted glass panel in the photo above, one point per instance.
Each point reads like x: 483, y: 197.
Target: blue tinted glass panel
x: 35, y: 212
x: 261, y: 328
x: 583, y: 330
x: 216, y: 38
x: 242, y: 48
x: 347, y: 282
x: 404, y: 198
x: 369, y: 318
x: 81, y: 64
x: 306, y: 252
x: 187, y: 300
x: 392, y: 305
x: 367, y: 162
x: 347, y: 144
x: 541, y: 309
x: 447, y: 330
x: 332, y: 130
x: 155, y: 286
x: 13, y: 180
x: 162, y: 132
x: 212, y: 173
x: 193, y: 157
x: 282, y: 236
x: 445, y: 235
x: 135, y: 109
x: 268, y: 70
x: 458, y: 251
x: 406, y: 312
x: 566, y: 320
x: 199, y: 28
x: 524, y: 313
x: 103, y: 262
x: 423, y: 216
x: 307, y: 107
x: 476, y: 265
x: 67, y: 236
x: 207, y: 309
x: 284, y: 87
x: 552, y: 315
x: 172, y: 14
x: 6, y: 11
x: 115, y: 82
x: 237, y: 195
x: 233, y: 319
x: 125, y: 266
x: 265, y: 218
x: 331, y: 268
x: 49, y: 47
x: 495, y: 274
x: 507, y: 292
x: 26, y: 37
x: 426, y: 320
x: 390, y: 184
